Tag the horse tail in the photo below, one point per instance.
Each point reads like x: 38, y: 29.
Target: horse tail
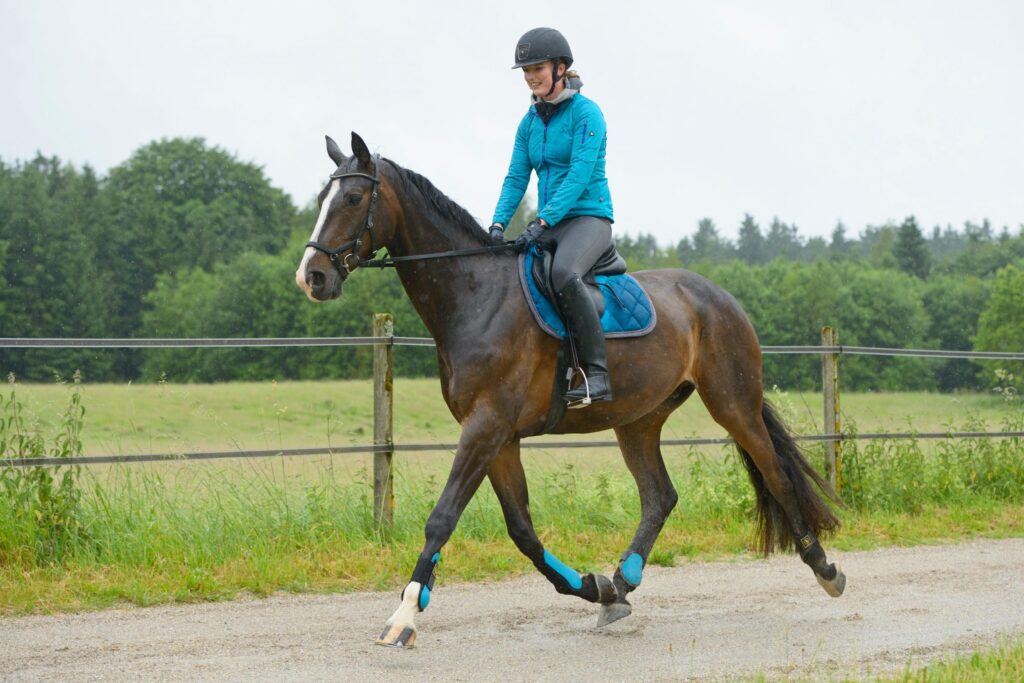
x: 773, y: 529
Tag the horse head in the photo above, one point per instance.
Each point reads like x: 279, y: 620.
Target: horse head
x: 354, y: 221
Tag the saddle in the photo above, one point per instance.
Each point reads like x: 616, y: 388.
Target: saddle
x: 609, y: 263
x: 623, y: 306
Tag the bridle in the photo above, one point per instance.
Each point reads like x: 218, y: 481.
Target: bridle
x: 342, y: 264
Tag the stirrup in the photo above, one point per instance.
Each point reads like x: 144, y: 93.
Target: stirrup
x: 572, y: 404
x: 590, y: 393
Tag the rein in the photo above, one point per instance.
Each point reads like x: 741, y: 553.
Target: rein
x: 342, y: 264
x: 390, y: 261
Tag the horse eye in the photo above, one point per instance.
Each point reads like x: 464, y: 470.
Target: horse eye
x: 353, y: 199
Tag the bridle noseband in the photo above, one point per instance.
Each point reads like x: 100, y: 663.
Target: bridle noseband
x: 342, y: 264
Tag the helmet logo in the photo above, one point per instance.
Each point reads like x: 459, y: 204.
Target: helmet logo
x: 522, y: 51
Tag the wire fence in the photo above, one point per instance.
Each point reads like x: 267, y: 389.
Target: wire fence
x: 390, y: 341
x: 254, y: 342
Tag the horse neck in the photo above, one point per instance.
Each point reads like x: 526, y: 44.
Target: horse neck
x: 445, y: 291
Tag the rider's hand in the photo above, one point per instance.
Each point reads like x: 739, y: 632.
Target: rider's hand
x: 529, y: 236
x: 497, y: 232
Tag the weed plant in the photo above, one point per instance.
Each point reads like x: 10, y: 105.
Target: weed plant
x: 70, y: 539
x: 40, y: 513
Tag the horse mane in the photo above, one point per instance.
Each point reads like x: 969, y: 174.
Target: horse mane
x: 450, y: 212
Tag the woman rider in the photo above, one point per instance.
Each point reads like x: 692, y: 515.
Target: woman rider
x: 563, y: 138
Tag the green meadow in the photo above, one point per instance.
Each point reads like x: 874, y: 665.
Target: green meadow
x: 175, y: 418
x: 90, y: 537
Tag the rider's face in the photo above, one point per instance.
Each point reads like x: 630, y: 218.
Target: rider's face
x: 538, y: 78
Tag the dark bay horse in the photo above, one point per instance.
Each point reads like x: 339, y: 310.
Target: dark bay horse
x: 497, y: 371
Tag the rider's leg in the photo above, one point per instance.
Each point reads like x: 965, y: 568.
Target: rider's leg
x: 581, y: 317
x: 580, y: 242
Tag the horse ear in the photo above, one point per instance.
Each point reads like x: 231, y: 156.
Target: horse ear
x: 360, y: 149
x: 334, y: 152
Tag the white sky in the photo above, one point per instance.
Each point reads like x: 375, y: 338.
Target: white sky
x: 813, y: 111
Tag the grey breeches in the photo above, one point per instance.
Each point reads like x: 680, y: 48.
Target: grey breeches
x: 578, y: 243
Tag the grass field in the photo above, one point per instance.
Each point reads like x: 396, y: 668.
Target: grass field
x: 160, y: 418
x: 180, y: 531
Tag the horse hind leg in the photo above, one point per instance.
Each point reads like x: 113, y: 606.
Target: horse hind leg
x: 790, y: 512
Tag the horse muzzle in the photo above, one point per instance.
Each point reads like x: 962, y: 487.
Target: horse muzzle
x: 320, y: 284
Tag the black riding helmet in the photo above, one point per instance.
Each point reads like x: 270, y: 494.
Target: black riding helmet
x: 541, y: 45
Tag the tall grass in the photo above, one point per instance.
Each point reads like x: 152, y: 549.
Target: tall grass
x: 209, y: 531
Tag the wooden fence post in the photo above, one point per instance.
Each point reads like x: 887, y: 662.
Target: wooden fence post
x: 830, y: 389
x: 383, y: 394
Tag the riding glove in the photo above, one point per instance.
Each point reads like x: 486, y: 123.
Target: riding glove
x: 497, y: 232
x: 533, y: 232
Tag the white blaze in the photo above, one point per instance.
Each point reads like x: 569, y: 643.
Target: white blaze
x: 300, y: 274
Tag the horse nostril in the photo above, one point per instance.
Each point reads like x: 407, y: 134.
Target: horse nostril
x: 316, y: 279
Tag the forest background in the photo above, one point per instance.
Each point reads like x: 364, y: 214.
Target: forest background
x: 185, y: 240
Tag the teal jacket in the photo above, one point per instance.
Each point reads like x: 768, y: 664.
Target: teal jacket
x: 568, y: 155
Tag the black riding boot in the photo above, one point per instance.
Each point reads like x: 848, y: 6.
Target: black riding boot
x: 580, y: 316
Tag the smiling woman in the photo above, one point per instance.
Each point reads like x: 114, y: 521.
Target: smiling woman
x: 563, y: 138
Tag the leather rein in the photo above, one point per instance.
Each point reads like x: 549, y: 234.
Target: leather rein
x: 343, y: 265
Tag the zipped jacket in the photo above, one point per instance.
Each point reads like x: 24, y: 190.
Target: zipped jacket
x: 568, y: 154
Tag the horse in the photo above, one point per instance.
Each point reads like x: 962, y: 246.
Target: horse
x: 497, y: 369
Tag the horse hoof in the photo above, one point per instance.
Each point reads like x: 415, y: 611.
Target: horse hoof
x: 397, y: 635
x: 613, y: 612
x: 836, y: 585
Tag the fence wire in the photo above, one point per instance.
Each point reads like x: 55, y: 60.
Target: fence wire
x: 249, y: 342
x: 450, y: 447
x: 256, y: 342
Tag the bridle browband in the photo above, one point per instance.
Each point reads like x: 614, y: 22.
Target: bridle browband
x: 342, y: 264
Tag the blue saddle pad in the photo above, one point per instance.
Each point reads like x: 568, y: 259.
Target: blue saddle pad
x: 627, y: 308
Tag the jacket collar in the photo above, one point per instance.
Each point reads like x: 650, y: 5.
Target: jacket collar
x: 547, y: 108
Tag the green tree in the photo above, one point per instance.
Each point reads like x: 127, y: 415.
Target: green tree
x: 839, y: 247
x: 750, y: 246
x: 782, y: 241
x: 54, y: 285
x: 180, y: 204
x: 911, y: 250
x: 1001, y: 325
x: 954, y: 304
x: 255, y: 296
x: 708, y: 245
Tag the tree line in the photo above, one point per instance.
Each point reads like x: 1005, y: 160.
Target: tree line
x: 185, y: 240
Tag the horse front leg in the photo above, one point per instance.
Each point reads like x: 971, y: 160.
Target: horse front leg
x: 509, y: 482
x: 478, y: 445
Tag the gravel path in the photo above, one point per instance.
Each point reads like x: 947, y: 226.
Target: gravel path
x: 698, y: 620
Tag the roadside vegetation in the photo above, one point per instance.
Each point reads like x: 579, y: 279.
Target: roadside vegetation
x: 1003, y: 663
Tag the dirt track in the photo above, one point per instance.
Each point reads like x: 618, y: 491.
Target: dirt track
x: 699, y: 620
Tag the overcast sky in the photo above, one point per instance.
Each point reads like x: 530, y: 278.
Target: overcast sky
x: 810, y: 111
